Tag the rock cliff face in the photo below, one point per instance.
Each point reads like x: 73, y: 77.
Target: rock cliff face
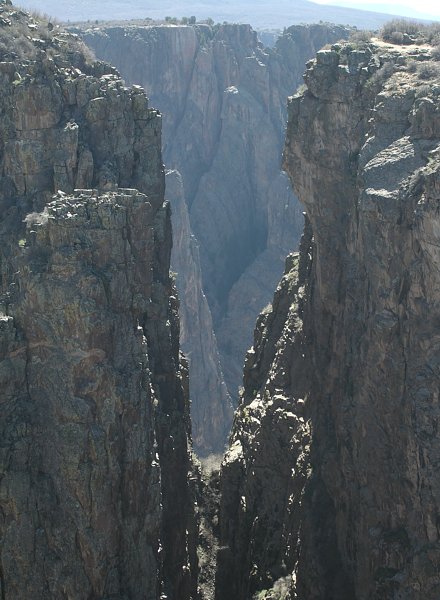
x: 223, y: 97
x: 94, y: 455
x: 209, y: 395
x: 330, y: 487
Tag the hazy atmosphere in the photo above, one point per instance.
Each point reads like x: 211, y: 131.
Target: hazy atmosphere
x: 258, y: 13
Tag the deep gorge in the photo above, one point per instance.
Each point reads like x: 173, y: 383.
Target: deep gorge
x: 223, y: 97
x: 329, y: 486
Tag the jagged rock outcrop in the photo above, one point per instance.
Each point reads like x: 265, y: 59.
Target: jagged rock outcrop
x: 223, y: 97
x: 95, y: 497
x: 330, y: 487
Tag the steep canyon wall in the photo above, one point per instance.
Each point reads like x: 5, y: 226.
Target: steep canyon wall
x: 95, y: 498
x: 330, y: 487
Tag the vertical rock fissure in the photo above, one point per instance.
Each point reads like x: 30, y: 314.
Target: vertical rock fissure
x: 2, y: 582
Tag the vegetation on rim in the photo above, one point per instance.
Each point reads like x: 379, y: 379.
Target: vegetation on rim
x: 23, y: 35
x: 404, y: 31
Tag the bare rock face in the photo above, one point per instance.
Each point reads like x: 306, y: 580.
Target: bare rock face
x: 223, y: 97
x: 330, y: 487
x: 209, y: 396
x: 94, y: 457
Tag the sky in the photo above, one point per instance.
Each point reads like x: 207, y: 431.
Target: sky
x: 408, y: 7
x: 261, y: 14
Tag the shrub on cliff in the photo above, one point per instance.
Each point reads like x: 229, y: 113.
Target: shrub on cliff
x: 23, y: 35
x: 19, y: 48
x: 378, y: 78
x: 400, y: 31
x: 432, y: 33
x: 361, y: 35
x: 428, y: 70
x: 436, y: 53
x: 403, y: 31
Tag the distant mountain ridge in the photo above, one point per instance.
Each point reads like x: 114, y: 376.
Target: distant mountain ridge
x: 258, y: 13
x: 389, y: 9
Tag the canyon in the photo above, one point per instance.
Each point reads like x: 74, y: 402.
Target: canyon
x: 223, y: 97
x: 329, y: 486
